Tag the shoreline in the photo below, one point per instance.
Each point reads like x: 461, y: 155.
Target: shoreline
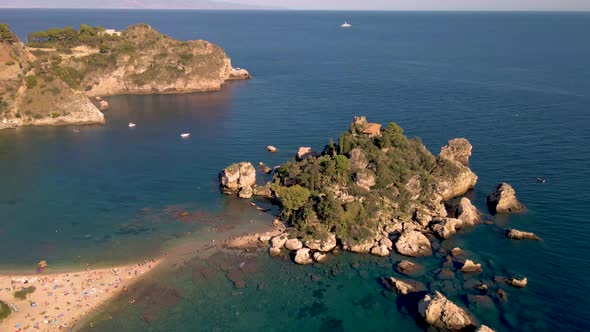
x: 62, y: 300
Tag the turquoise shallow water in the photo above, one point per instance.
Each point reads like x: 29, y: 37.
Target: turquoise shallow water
x: 516, y: 85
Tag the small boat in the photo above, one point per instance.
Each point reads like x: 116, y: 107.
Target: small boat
x: 76, y: 130
x: 346, y: 25
x: 541, y: 180
x: 131, y: 124
x: 185, y: 135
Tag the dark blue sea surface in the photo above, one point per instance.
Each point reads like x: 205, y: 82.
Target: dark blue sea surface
x: 517, y: 85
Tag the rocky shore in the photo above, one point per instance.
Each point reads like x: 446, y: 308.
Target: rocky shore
x: 52, y: 83
x: 423, y: 211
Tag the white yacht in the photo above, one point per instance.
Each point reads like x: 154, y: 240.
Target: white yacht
x: 131, y: 124
x: 185, y: 135
x: 346, y: 25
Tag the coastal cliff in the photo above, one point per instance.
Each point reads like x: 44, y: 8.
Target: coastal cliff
x: 51, y: 80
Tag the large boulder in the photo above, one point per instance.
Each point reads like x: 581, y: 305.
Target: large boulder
x: 360, y: 247
x: 302, y: 257
x: 518, y: 283
x: 467, y: 212
x: 103, y: 105
x: 470, y: 267
x: 503, y: 200
x: 413, y: 243
x: 293, y: 244
x: 484, y: 328
x: 443, y: 314
x: 365, y: 178
x: 278, y: 241
x: 403, y: 287
x: 520, y: 235
x: 457, y: 150
x: 447, y: 227
x: 326, y: 244
x: 380, y: 250
x: 304, y: 152
x: 408, y: 268
x: 320, y: 257
x: 238, y: 178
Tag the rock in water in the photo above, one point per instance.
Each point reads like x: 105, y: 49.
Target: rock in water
x: 271, y: 149
x: 467, y: 212
x: 238, y: 178
x: 103, y: 105
x: 413, y: 243
x: 457, y: 153
x: 469, y: 267
x: 380, y: 250
x: 408, y: 268
x: 304, y: 152
x: 520, y: 235
x: 278, y: 241
x: 320, y: 257
x: 274, y: 252
x: 361, y: 247
x: 441, y: 313
x: 293, y: 244
x: 302, y: 257
x: 403, y: 287
x: 503, y: 200
x: 447, y: 227
x: 484, y: 328
x: 515, y: 282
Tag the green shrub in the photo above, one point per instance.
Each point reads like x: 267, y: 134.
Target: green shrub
x: 22, y: 294
x: 31, y: 81
x: 9, y: 63
x: 4, y: 310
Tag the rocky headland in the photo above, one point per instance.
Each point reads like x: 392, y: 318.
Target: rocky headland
x: 60, y: 75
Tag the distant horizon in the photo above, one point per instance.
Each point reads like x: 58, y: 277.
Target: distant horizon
x: 315, y: 10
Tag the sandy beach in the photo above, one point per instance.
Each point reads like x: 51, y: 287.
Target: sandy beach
x: 60, y: 300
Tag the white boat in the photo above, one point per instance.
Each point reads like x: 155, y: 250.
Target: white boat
x: 131, y: 124
x: 185, y: 135
x: 346, y: 25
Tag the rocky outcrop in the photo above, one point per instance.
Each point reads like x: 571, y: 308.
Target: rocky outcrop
x: 443, y: 314
x: 304, y: 152
x: 403, y: 287
x: 484, y: 328
x: 238, y: 179
x: 278, y: 241
x: 320, y: 257
x: 326, y: 244
x: 408, y: 268
x: 365, y: 179
x: 520, y: 235
x: 303, y: 257
x: 467, y: 212
x: 413, y: 243
x: 103, y: 105
x: 470, y: 267
x: 503, y: 200
x: 293, y: 244
x: 518, y: 283
x: 271, y: 149
x: 360, y: 247
x: 447, y: 227
x: 457, y: 152
x: 358, y: 161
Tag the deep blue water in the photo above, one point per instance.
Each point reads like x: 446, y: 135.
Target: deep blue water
x: 517, y: 85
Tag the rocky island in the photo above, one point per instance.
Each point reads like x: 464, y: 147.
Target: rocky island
x: 59, y: 75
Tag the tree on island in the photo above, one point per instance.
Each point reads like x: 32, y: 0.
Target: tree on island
x: 6, y: 35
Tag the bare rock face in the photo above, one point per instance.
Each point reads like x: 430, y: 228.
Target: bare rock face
x: 263, y: 191
x: 304, y: 152
x: 324, y: 245
x: 278, y: 241
x: 238, y: 178
x: 457, y: 150
x: 380, y: 250
x: 239, y: 74
x: 467, y: 212
x: 365, y: 178
x: 413, y: 243
x: 484, y: 328
x: 408, y: 268
x: 503, y: 200
x: 443, y: 314
x: 386, y: 242
x: 520, y: 235
x: 302, y: 257
x: 470, y: 267
x: 518, y: 283
x: 447, y: 227
x: 358, y: 159
x: 403, y: 287
x: 293, y: 244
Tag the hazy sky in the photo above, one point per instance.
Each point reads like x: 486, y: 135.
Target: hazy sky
x: 538, y: 5
x: 426, y: 4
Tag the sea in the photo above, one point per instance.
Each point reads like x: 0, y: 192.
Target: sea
x: 517, y: 85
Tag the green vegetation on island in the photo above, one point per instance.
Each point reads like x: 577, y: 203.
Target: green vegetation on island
x: 4, y: 310
x: 23, y: 293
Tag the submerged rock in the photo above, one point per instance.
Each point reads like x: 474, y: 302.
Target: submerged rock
x: 520, y: 235
x: 469, y: 266
x: 408, y: 268
x: 413, y: 243
x: 467, y: 212
x: 503, y: 200
x: 302, y: 256
x: 457, y: 252
x: 403, y: 287
x: 441, y: 313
